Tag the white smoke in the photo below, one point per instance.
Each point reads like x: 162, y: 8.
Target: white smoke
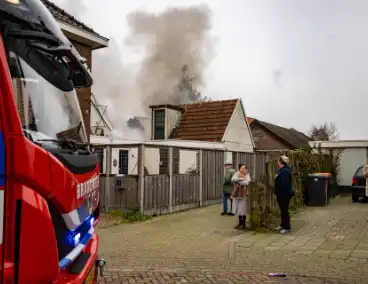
x: 171, y: 39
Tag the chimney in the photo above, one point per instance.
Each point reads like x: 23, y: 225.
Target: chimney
x: 143, y: 124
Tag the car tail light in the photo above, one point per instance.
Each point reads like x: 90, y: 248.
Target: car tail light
x: 354, y: 181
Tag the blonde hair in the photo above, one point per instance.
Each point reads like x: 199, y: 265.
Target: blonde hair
x: 284, y: 159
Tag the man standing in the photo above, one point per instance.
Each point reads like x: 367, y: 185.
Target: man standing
x: 228, y: 188
x: 284, y: 192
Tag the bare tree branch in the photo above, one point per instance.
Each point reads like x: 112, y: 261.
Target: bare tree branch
x: 324, y: 132
x: 186, y: 87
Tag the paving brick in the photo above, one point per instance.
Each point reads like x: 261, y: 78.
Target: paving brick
x: 218, y: 278
x: 199, y: 246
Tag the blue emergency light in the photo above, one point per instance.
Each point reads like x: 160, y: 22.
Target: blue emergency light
x: 76, y: 239
x: 75, y: 236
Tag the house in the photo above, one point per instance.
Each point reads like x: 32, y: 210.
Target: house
x: 206, y: 125
x: 223, y: 122
x: 85, y: 40
x: 124, y: 159
x: 215, y: 121
x: 273, y: 138
x: 352, y: 154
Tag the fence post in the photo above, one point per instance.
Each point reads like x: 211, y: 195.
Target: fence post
x: 200, y: 178
x: 108, y: 177
x: 170, y: 178
x: 141, y: 163
x: 266, y: 159
x: 254, y: 165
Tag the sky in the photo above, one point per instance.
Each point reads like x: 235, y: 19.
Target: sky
x: 293, y: 63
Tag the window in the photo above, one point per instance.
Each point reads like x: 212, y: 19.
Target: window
x: 100, y: 156
x: 176, y: 160
x: 123, y: 162
x: 164, y: 161
x: 159, y: 124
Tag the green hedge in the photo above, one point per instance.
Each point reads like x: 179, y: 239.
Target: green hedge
x: 264, y: 211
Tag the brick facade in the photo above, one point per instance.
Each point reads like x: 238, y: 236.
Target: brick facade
x: 266, y: 140
x: 84, y: 94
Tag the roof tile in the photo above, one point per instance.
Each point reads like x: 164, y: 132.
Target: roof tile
x: 63, y: 16
x: 205, y: 121
x: 293, y: 137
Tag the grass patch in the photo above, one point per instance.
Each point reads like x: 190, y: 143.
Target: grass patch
x: 131, y: 215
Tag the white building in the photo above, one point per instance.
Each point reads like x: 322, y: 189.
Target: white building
x: 125, y: 158
x: 354, y: 154
x: 215, y: 121
x: 206, y: 125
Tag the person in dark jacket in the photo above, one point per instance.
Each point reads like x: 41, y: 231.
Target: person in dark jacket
x: 284, y: 192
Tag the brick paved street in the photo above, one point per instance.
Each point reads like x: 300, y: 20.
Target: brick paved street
x: 328, y: 245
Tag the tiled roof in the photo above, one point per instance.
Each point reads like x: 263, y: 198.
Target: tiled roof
x: 291, y: 136
x: 205, y: 121
x: 63, y: 16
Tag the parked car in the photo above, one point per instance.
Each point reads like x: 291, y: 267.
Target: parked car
x: 358, y: 185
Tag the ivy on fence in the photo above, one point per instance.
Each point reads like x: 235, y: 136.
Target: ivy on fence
x: 264, y: 211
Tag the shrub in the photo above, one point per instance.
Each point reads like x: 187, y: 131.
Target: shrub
x: 264, y: 211
x: 131, y: 215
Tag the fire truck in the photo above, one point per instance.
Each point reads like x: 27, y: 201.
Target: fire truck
x: 49, y: 177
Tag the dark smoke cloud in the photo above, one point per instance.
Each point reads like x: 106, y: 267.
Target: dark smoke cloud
x: 172, y: 39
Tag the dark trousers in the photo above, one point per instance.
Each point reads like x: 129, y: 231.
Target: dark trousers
x: 284, y: 209
x: 225, y: 198
x: 242, y: 221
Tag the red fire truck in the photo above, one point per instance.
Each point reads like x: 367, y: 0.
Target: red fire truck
x: 49, y: 177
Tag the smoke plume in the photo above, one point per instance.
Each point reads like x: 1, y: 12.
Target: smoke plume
x: 114, y: 86
x: 177, y: 49
x: 74, y: 7
x: 172, y: 39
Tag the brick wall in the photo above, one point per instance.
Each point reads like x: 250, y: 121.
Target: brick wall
x: 265, y: 140
x: 84, y: 95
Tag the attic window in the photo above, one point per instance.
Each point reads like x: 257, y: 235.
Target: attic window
x: 159, y: 124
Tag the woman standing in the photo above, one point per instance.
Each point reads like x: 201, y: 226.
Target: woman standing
x: 240, y: 180
x: 284, y: 192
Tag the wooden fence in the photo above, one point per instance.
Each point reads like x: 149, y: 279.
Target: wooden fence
x: 170, y: 189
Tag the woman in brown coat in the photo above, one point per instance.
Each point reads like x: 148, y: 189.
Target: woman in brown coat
x: 241, y: 180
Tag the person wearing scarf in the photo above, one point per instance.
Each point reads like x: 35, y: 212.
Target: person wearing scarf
x: 240, y: 182
x: 284, y: 192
